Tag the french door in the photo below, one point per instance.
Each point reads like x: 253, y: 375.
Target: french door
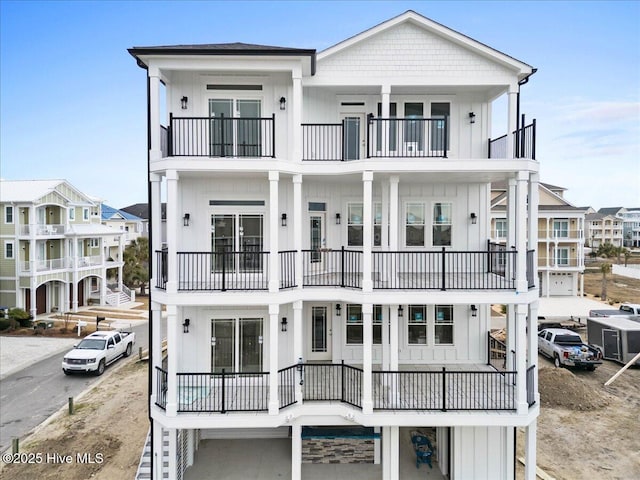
x: 237, y: 241
x: 236, y: 345
x: 316, y: 239
x: 235, y: 129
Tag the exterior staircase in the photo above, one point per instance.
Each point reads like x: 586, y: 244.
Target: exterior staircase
x: 144, y: 467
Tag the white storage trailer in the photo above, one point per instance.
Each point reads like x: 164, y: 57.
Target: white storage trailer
x: 617, y: 337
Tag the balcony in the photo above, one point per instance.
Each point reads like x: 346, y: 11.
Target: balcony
x: 493, y: 269
x: 219, y: 137
x: 44, y: 230
x: 524, y: 143
x: 574, y: 234
x: 469, y: 387
x: 558, y: 263
x: 41, y: 266
x: 385, y: 138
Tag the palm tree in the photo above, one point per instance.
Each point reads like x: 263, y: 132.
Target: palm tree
x: 605, y: 268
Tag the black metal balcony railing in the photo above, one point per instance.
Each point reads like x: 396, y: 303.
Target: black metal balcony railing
x: 407, y: 137
x: 444, y: 270
x: 524, y: 143
x: 332, y: 268
x: 223, y: 271
x: 385, y: 137
x: 493, y: 269
x: 442, y: 390
x: 221, y: 137
x: 287, y: 269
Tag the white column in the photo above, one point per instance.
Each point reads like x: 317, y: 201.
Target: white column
x: 532, y: 213
x: 532, y: 345
x: 393, y: 337
x: 530, y: 452
x: 512, y: 113
x: 172, y: 458
x: 511, y: 337
x: 521, y: 358
x: 296, y: 115
x: 158, y: 447
x: 274, y: 310
x: 297, y: 343
x: 172, y: 231
x: 155, y: 152
x: 156, y: 347
x: 297, y: 227
x: 394, y: 446
x: 511, y: 213
x: 386, y: 453
x: 385, y: 92
x: 521, y: 232
x: 384, y: 226
x: 172, y: 361
x: 274, y: 226
x: 296, y: 452
x: 394, y: 227
x: 367, y: 358
x: 385, y: 338
x: 367, y: 227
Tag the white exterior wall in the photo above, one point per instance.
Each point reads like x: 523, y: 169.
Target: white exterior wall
x: 482, y: 453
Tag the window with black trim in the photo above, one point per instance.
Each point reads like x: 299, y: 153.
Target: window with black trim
x: 417, y: 325
x: 8, y: 214
x: 414, y: 225
x: 442, y: 224
x: 443, y: 325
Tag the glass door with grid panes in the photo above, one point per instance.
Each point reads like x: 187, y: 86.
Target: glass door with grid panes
x: 319, y: 337
x: 235, y: 129
x: 236, y: 345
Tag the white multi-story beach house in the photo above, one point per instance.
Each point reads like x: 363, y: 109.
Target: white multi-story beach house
x: 328, y: 272
x: 55, y: 251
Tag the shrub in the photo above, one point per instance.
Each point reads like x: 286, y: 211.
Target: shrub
x: 7, y: 324
x: 21, y: 316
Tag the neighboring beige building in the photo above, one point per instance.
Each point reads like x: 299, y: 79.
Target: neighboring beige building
x: 54, y: 248
x: 605, y: 226
x: 560, y: 239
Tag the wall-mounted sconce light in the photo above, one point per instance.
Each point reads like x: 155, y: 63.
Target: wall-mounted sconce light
x: 400, y: 311
x: 185, y: 325
x: 185, y: 219
x: 474, y: 311
x: 283, y: 220
x: 283, y: 324
x: 474, y: 218
x: 337, y: 219
x: 184, y: 101
x: 338, y: 309
x: 472, y: 117
x: 283, y: 103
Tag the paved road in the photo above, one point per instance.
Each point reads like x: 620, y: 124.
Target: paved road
x: 30, y: 396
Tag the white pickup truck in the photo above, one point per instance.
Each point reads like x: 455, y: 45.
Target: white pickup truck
x: 98, y: 350
x: 566, y: 349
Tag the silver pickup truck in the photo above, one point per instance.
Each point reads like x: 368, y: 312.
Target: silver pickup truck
x: 566, y: 349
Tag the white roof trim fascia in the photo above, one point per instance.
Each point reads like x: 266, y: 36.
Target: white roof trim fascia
x: 562, y: 199
x: 522, y: 68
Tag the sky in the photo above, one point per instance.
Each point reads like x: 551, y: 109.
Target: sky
x: 73, y: 101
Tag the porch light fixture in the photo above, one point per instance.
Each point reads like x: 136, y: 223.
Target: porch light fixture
x: 472, y: 117
x: 283, y: 220
x: 185, y: 219
x: 474, y: 218
x: 400, y: 311
x: 474, y: 311
x: 283, y: 324
x: 337, y: 219
x: 283, y: 103
x: 338, y: 309
x: 185, y: 325
x: 184, y: 102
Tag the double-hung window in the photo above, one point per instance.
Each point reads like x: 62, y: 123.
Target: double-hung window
x: 443, y: 325
x: 354, y: 224
x: 8, y: 214
x: 417, y: 325
x: 85, y: 214
x: 414, y: 225
x: 8, y: 250
x: 355, y: 328
x: 501, y: 228
x: 72, y: 214
x: 442, y: 224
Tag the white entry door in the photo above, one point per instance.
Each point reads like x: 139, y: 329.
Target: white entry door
x: 319, y: 333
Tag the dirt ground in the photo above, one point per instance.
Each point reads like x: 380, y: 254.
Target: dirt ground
x: 619, y: 289
x: 587, y: 430
x: 111, y: 420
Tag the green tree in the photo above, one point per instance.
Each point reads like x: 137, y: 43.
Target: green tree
x: 605, y: 268
x: 136, y: 264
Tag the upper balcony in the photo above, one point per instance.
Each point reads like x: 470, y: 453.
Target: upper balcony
x: 42, y: 230
x: 493, y: 269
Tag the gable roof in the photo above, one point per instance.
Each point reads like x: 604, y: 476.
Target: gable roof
x: 410, y: 16
x: 141, y: 210
x: 32, y: 191
x: 612, y: 210
x: 108, y: 213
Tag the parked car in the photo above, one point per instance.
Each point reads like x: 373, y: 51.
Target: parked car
x: 98, y: 350
x: 566, y: 349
